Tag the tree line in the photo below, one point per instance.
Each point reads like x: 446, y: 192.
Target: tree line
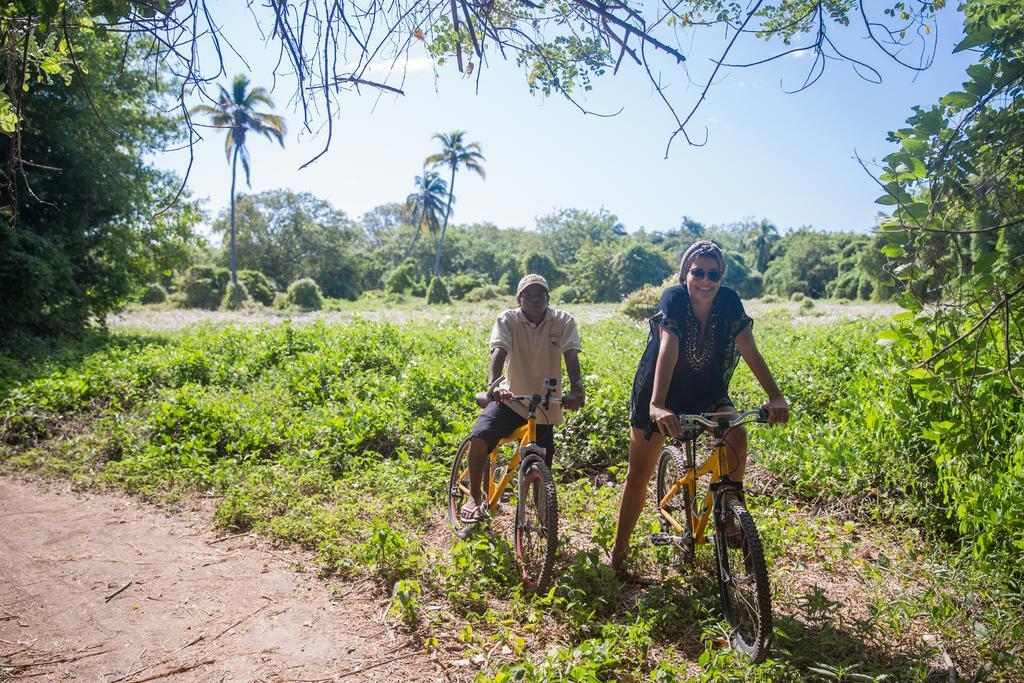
x: 587, y: 256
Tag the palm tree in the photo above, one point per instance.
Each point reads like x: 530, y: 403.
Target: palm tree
x: 454, y: 153
x: 235, y: 111
x: 761, y: 238
x: 427, y: 205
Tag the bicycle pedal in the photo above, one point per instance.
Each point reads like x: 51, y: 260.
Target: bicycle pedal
x: 661, y: 538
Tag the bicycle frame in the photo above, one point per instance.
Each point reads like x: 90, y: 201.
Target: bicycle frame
x: 716, y: 465
x: 526, y: 436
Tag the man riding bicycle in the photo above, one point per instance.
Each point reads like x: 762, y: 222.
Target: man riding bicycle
x: 528, y: 344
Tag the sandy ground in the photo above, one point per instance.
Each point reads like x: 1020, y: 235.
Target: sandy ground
x: 102, y: 587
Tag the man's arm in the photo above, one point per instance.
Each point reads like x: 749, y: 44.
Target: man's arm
x: 497, y: 369
x: 576, y: 396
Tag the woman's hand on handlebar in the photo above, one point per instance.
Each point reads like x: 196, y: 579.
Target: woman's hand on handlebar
x: 778, y: 410
x: 667, y: 421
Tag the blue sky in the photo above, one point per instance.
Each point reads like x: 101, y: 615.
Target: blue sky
x: 785, y: 157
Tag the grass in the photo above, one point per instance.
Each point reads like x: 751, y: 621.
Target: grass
x: 306, y: 432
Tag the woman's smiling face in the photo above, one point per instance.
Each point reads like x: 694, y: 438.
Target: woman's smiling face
x: 703, y: 289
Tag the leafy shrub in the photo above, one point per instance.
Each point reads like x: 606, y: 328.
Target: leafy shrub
x: 304, y: 293
x: 235, y: 297
x: 437, y: 293
x: 259, y: 286
x: 204, y: 286
x: 280, y: 301
x: 459, y: 285
x: 566, y: 294
x: 643, y: 303
x: 402, y: 279
x: 542, y: 264
x: 485, y: 293
x: 635, y: 267
x: 796, y: 296
x: 153, y: 294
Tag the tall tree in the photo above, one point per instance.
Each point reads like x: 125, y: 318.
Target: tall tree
x: 236, y: 111
x: 427, y: 205
x: 88, y: 230
x: 454, y: 154
x: 761, y: 237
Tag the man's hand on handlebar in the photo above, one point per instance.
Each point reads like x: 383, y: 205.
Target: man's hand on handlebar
x: 574, y: 400
x: 500, y: 395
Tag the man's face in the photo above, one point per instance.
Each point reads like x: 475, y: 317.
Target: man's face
x: 533, y: 301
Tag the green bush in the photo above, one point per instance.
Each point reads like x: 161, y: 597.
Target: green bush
x: 153, y: 294
x: 235, y: 297
x: 204, y: 286
x: 797, y: 296
x: 459, y: 285
x: 304, y: 293
x: 542, y: 264
x: 402, y: 279
x: 259, y: 286
x: 437, y: 293
x: 280, y: 301
x: 634, y: 268
x: 566, y: 294
x: 485, y: 293
x: 643, y: 303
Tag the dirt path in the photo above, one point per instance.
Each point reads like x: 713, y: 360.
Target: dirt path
x: 102, y: 587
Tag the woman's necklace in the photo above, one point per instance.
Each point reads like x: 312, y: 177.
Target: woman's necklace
x: 699, y: 351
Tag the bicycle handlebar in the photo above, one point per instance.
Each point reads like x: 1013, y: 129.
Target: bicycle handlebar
x: 532, y: 397
x: 703, y: 419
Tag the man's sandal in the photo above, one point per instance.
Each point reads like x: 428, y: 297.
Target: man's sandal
x: 471, y: 513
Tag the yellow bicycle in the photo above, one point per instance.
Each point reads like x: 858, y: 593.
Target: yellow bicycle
x: 536, y: 522
x: 684, y: 514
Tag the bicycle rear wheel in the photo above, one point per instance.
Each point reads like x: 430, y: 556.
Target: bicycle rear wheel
x: 672, y: 468
x: 536, y: 531
x: 743, y: 580
x: 458, y: 487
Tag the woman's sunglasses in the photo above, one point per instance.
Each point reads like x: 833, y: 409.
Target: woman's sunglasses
x: 699, y: 273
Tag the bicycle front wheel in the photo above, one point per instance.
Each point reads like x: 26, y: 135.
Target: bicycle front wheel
x: 458, y: 487
x: 743, y: 580
x: 536, y: 532
x: 672, y: 468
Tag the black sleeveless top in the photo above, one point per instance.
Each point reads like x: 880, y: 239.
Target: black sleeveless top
x: 700, y: 379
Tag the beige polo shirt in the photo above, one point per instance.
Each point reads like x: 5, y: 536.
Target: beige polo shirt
x: 534, y: 354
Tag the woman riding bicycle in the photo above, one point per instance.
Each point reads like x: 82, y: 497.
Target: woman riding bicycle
x: 686, y: 368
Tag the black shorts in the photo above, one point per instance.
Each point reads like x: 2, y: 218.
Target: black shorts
x: 498, y: 421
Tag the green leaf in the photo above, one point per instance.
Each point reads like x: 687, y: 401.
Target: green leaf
x: 979, y: 36
x: 892, y: 251
x: 959, y: 100
x: 50, y: 65
x: 915, y: 146
x: 886, y: 200
x: 887, y: 337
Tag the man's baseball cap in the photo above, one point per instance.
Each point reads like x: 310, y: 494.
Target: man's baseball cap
x: 532, y: 279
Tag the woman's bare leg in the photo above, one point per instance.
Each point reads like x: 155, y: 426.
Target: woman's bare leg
x: 643, y: 458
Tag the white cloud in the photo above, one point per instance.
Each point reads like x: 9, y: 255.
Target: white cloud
x: 800, y: 54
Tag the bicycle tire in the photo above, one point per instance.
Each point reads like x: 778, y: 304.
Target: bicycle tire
x: 743, y: 582
x: 536, y: 528
x: 458, y: 485
x: 671, y: 468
